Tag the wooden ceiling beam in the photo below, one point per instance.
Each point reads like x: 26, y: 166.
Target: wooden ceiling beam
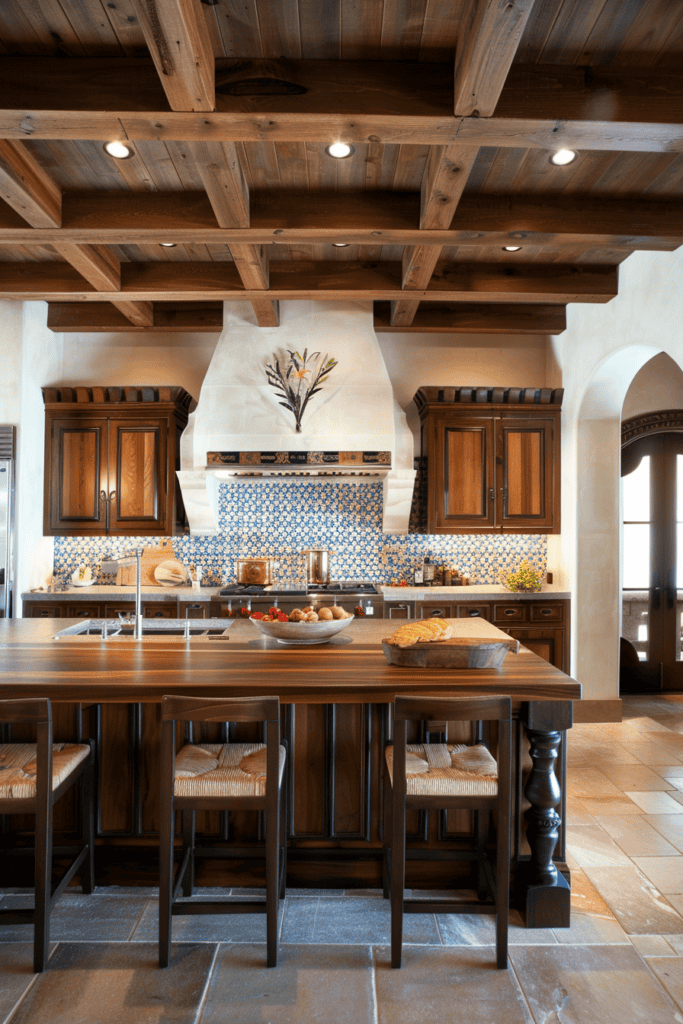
x: 100, y: 268
x: 27, y: 188
x: 541, y: 106
x: 187, y: 282
x: 94, y: 317
x: 223, y: 178
x: 465, y: 318
x: 103, y: 317
x: 360, y: 218
x: 488, y: 36
x: 178, y: 39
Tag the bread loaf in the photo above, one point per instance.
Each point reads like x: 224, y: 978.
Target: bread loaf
x: 425, y: 631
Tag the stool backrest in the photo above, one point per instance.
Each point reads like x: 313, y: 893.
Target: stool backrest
x: 220, y: 709
x: 37, y: 710
x: 33, y: 709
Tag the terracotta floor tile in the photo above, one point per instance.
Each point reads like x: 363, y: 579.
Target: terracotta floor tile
x: 635, y: 778
x: 118, y: 983
x: 665, y: 873
x: 590, y: 844
x: 656, y: 803
x: 635, y: 836
x: 574, y: 985
x: 634, y: 901
x: 457, y: 985
x: 310, y: 985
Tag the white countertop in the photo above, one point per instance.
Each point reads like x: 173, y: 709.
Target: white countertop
x: 103, y: 593
x: 473, y: 593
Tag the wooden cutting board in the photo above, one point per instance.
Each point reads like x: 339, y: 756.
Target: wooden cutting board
x: 458, y: 652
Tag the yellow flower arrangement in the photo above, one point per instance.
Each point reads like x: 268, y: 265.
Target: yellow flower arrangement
x: 522, y: 577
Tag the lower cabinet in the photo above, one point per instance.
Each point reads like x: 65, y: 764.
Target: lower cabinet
x: 548, y: 644
x: 170, y: 608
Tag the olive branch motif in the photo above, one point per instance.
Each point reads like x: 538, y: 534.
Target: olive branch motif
x: 293, y: 386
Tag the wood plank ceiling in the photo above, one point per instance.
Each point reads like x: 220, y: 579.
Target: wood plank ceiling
x: 453, y: 107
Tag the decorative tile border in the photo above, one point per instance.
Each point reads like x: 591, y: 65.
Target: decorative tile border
x: 279, y: 519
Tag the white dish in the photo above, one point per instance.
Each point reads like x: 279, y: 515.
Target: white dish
x: 171, y: 574
x: 81, y: 583
x: 295, y: 634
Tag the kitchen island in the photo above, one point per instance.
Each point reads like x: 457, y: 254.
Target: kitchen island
x: 335, y: 721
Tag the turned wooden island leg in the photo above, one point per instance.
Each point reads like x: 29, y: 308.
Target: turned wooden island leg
x: 543, y: 892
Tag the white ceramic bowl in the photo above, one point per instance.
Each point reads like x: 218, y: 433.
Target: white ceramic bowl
x: 75, y: 582
x: 302, y: 633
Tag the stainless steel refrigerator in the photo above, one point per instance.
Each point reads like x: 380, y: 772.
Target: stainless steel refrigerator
x: 6, y: 507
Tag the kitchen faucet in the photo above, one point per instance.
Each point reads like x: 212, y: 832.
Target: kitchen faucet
x: 130, y: 558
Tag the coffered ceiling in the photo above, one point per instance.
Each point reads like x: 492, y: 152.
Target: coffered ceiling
x: 454, y: 109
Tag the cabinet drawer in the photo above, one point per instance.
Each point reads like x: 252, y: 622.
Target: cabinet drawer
x: 434, y: 611
x: 551, y: 612
x: 82, y: 611
x: 193, y: 609
x: 111, y: 611
x: 473, y: 611
x: 160, y: 610
x: 48, y: 610
x: 510, y: 612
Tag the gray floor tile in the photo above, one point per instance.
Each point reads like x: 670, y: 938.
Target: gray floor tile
x: 311, y: 985
x: 79, y: 918
x: 204, y: 927
x: 449, y: 986
x: 118, y: 983
x: 480, y: 930
x: 573, y: 984
x: 352, y: 920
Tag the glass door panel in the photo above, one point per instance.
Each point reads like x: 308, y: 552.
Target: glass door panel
x: 636, y: 558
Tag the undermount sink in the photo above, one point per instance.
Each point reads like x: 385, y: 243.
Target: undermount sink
x: 122, y: 629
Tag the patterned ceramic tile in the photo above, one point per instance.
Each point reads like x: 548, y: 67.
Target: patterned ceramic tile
x: 281, y: 518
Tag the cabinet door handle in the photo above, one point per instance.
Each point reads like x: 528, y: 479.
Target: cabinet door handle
x: 504, y: 495
x: 474, y: 614
x: 492, y: 494
x: 436, y: 613
x: 510, y: 611
x: 546, y: 611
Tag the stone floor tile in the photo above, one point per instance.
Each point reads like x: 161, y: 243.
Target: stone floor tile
x: 480, y: 930
x: 651, y: 753
x: 311, y: 985
x: 16, y: 974
x: 577, y: 813
x: 590, y: 845
x: 455, y: 985
x: 597, y: 806
x: 331, y: 893
x: 669, y: 971
x: 635, y: 902
x: 656, y: 803
x: 669, y: 771
x: 588, y: 930
x: 76, y: 918
x: 586, y: 899
x: 204, y: 927
x: 591, y: 783
x: 668, y: 825
x: 675, y: 941
x: 653, y: 945
x: 607, y: 755
x: 635, y: 777
x: 635, y: 836
x: 665, y: 873
x: 573, y: 985
x: 118, y: 983
x: 355, y: 921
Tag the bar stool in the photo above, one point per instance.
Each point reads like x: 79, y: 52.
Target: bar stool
x: 33, y: 776
x: 219, y: 776
x: 439, y: 776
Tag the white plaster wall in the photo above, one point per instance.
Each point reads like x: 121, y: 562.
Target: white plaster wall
x: 658, y: 386
x: 599, y: 355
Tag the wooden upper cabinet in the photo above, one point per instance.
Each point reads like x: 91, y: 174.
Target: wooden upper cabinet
x: 111, y: 456
x: 493, y: 459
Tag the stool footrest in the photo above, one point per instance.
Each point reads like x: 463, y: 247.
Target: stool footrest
x: 222, y: 907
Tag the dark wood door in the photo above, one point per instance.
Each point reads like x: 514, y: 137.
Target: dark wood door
x: 461, y: 473
x: 137, y: 469
x: 652, y: 594
x: 78, y: 475
x: 525, y: 455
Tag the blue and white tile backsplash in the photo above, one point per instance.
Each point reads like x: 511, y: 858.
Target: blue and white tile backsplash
x: 275, y: 518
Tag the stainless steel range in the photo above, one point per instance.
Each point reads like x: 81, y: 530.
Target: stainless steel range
x: 350, y: 594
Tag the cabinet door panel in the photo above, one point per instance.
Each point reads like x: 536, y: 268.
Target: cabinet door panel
x: 526, y: 456
x: 137, y: 461
x: 78, y: 472
x: 461, y: 474
x: 548, y: 644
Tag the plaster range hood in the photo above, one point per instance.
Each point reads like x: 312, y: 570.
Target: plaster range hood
x: 238, y: 411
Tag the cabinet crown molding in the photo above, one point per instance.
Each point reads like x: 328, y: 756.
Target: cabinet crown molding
x: 426, y: 396
x: 125, y: 395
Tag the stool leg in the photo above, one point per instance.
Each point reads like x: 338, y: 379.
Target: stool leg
x: 386, y: 825
x: 88, y: 828
x: 272, y: 881
x: 502, y: 889
x: 188, y: 844
x: 43, y: 886
x: 398, y: 853
x: 481, y: 832
x: 166, y: 842
x: 283, y: 845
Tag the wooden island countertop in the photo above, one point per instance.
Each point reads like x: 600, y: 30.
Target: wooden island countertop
x: 352, y: 669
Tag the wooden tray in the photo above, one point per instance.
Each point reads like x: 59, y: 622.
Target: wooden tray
x: 151, y: 558
x: 460, y: 652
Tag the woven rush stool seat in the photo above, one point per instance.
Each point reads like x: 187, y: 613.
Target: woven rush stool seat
x: 219, y: 776
x: 223, y: 769
x: 444, y: 776
x: 33, y: 777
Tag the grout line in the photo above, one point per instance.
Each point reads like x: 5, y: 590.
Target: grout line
x: 137, y: 922
x: 522, y: 994
x: 32, y: 983
x: 205, y: 993
x: 373, y: 986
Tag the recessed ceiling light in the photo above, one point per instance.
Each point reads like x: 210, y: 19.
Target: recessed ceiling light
x: 339, y: 150
x: 511, y: 248
x: 118, y: 150
x: 341, y: 245
x: 168, y: 245
x: 563, y: 157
